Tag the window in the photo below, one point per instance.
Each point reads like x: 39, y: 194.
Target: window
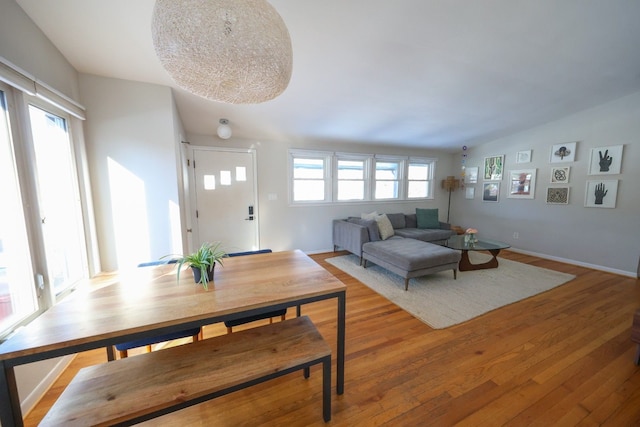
x: 388, y: 177
x: 310, y: 177
x: 17, y: 288
x: 58, y: 199
x: 352, y: 174
x: 419, y: 179
x: 358, y: 177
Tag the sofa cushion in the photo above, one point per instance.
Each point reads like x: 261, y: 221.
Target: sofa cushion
x: 410, y: 221
x: 373, y: 215
x: 427, y: 218
x: 397, y: 220
x: 410, y: 254
x: 384, y: 226
x: 426, y: 235
x: 370, y: 224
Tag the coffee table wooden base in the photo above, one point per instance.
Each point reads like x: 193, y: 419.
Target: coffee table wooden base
x: 465, y: 264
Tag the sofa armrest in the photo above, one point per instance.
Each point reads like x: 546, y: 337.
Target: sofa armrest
x: 445, y: 225
x: 349, y: 236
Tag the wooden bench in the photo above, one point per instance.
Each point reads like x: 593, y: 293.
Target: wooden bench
x: 135, y: 389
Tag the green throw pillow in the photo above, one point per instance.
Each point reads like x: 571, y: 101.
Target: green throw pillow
x: 427, y: 218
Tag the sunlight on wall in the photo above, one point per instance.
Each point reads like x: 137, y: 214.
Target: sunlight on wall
x: 176, y: 235
x: 129, y: 213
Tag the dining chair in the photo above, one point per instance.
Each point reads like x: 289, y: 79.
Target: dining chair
x: 270, y: 315
x: 194, y: 333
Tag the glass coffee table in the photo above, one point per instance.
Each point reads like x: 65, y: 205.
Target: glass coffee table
x: 491, y: 246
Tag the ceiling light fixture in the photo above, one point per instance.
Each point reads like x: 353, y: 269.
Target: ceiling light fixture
x: 234, y: 51
x: 224, y: 130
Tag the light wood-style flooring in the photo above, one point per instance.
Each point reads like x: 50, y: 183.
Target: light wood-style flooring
x: 561, y: 358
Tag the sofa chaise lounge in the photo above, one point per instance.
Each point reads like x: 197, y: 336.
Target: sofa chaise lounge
x: 407, y: 250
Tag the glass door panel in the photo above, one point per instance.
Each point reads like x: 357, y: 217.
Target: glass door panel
x: 17, y: 288
x: 59, y: 200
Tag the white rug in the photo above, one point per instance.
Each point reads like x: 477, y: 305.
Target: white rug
x: 440, y: 301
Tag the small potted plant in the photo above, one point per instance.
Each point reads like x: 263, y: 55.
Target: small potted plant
x: 203, y: 262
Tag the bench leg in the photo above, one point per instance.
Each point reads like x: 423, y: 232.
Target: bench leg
x: 326, y: 389
x: 455, y: 274
x: 406, y: 284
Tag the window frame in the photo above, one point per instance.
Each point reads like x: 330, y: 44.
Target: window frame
x: 430, y: 163
x: 366, y: 178
x: 331, y: 179
x: 326, y: 158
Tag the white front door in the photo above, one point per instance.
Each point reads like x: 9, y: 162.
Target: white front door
x: 226, y: 208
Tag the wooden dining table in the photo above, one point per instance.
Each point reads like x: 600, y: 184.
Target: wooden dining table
x: 150, y: 301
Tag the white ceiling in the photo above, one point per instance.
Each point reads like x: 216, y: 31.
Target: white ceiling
x: 422, y: 73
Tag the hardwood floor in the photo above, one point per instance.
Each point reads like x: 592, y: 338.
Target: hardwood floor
x: 561, y: 358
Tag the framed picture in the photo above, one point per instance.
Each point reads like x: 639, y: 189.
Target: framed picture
x: 522, y: 184
x: 558, y: 195
x: 601, y: 193
x: 560, y: 175
x: 490, y: 191
x: 470, y: 193
x: 493, y: 167
x: 471, y: 175
x: 606, y: 160
x: 563, y: 153
x: 523, y: 156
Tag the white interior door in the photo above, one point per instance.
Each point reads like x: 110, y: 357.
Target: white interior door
x: 225, y: 198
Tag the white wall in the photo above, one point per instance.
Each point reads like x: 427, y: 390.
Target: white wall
x: 131, y: 139
x: 283, y: 227
x: 603, y: 238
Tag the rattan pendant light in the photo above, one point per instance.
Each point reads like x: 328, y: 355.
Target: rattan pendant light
x: 234, y: 51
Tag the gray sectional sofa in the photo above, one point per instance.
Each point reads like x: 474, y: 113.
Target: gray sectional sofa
x: 352, y: 233
x: 407, y: 250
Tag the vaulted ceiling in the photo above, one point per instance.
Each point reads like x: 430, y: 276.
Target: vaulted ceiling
x: 422, y: 73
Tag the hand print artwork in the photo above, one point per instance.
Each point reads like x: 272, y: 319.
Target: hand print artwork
x: 601, y: 193
x: 606, y: 160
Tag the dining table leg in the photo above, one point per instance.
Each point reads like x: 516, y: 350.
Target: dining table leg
x: 10, y: 415
x: 342, y: 308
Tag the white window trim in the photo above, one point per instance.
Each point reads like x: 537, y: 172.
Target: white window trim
x: 331, y: 181
x: 431, y: 162
x: 327, y: 157
x: 367, y: 159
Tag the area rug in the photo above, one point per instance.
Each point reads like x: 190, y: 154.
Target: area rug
x: 440, y: 301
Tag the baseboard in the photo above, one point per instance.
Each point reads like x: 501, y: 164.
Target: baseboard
x: 631, y: 274
x: 39, y: 391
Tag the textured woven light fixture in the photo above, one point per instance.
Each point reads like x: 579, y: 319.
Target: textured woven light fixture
x: 234, y: 51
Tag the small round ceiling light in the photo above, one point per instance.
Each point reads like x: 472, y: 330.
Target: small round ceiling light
x: 233, y: 51
x: 224, y: 130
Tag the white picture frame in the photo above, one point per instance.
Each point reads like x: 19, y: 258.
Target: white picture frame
x: 523, y: 156
x: 471, y: 175
x: 522, y: 184
x: 491, y: 192
x: 560, y: 175
x: 601, y: 193
x: 469, y: 192
x: 558, y: 195
x: 606, y: 160
x: 563, y: 153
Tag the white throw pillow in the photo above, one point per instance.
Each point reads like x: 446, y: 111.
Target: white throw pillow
x: 373, y: 215
x: 384, y: 226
